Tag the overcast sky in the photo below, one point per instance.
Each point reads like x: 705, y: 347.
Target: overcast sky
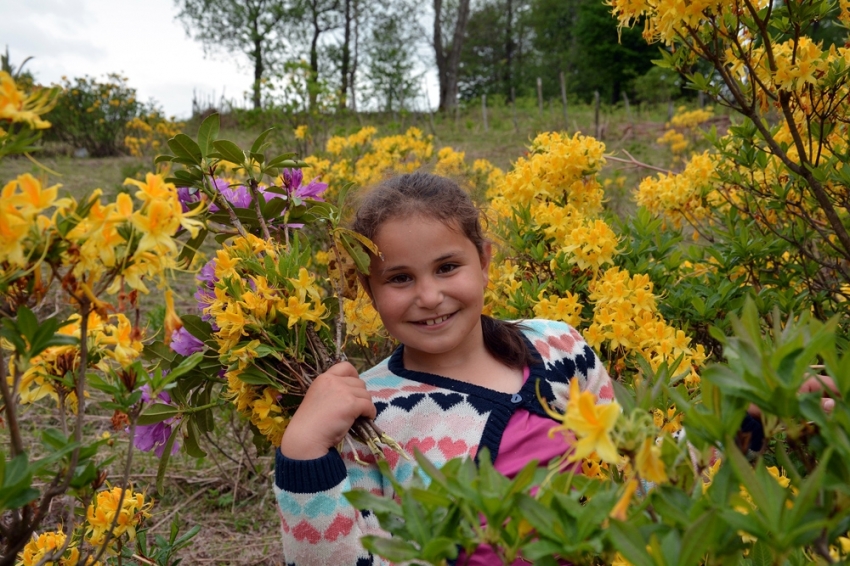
x: 139, y: 38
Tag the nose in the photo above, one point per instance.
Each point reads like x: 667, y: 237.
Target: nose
x: 429, y: 293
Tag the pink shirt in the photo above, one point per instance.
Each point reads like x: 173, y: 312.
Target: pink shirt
x: 526, y: 438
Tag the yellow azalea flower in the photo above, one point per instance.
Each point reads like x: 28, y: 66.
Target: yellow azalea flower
x: 102, y: 511
x: 620, y: 561
x: 152, y: 189
x: 13, y: 230
x: 301, y: 132
x: 648, y: 462
x: 620, y: 510
x: 172, y: 320
x: 17, y: 106
x: 40, y: 546
x: 27, y: 195
x: 709, y: 474
x: 592, y: 424
x: 295, y: 310
x: 267, y: 404
x: 305, y: 285
x: 157, y: 223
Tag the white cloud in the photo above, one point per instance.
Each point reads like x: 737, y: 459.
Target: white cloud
x: 139, y: 38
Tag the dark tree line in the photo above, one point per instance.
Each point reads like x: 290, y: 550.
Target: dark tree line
x: 367, y: 50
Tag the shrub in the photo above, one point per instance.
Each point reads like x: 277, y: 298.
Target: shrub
x: 93, y: 114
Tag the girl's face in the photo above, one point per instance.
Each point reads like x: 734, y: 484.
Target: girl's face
x: 429, y: 289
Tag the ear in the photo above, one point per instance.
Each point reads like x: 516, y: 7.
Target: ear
x: 486, y: 256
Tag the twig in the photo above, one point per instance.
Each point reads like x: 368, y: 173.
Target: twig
x: 236, y: 486
x: 252, y: 184
x: 174, y: 511
x: 632, y: 161
x: 11, y: 415
x: 124, y: 482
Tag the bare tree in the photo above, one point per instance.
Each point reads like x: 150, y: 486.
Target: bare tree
x: 448, y: 54
x: 252, y: 27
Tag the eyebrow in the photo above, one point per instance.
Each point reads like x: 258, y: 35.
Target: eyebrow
x: 444, y: 257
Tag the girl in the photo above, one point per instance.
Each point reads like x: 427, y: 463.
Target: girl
x: 458, y: 382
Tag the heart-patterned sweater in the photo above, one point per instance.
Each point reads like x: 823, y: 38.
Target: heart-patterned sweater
x: 441, y: 417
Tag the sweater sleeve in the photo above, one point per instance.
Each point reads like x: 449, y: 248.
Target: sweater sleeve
x: 319, y: 526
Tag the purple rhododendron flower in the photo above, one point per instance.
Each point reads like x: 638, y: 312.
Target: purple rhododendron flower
x: 312, y: 190
x: 186, y: 197
x: 155, y: 436
x: 184, y: 343
x: 237, y: 196
x: 292, y: 182
x: 205, y: 294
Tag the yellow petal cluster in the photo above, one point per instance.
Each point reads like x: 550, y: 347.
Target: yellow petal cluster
x: 591, y: 423
x: 111, y: 341
x: 17, y: 106
x: 130, y: 511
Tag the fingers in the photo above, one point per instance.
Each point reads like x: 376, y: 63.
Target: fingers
x: 819, y: 383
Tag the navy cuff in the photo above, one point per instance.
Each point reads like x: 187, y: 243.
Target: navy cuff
x: 309, y: 476
x: 754, y: 428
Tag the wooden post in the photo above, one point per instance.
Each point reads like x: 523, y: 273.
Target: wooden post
x: 596, y: 112
x: 669, y: 110
x: 540, y: 96
x: 484, y: 111
x: 564, y: 98
x: 628, y: 107
x: 513, y: 109
x: 701, y: 99
x: 457, y: 116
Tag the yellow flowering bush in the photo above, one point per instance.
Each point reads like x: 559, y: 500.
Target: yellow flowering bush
x: 94, y: 258
x: 148, y: 133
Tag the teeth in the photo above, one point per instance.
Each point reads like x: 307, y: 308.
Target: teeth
x: 434, y: 321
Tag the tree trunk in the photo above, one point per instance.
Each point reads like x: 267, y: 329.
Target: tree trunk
x: 313, y: 81
x: 509, y: 48
x: 258, y: 71
x: 448, y: 62
x: 346, y: 57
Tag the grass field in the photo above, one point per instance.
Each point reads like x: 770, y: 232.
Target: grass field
x: 229, y: 493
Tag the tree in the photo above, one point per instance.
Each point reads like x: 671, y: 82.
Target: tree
x: 253, y: 27
x: 321, y: 16
x: 390, y: 65
x: 448, y: 54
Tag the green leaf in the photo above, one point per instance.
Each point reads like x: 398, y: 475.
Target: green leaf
x: 393, y: 549
x: 253, y: 376
x: 185, y: 366
x: 230, y: 151
x: 163, y: 159
x: 761, y: 554
x: 258, y: 145
x: 191, y: 248
x: 166, y: 454
x: 627, y: 539
x: 193, y: 449
x: 197, y: 327
x: 208, y: 132
x: 159, y: 350
x: 185, y: 147
x: 156, y: 413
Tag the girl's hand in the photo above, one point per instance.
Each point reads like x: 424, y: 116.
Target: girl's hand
x: 822, y: 383
x: 332, y: 404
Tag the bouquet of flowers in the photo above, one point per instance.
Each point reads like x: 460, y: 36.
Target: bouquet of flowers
x: 266, y: 324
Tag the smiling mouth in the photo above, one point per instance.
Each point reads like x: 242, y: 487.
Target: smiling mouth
x: 433, y: 321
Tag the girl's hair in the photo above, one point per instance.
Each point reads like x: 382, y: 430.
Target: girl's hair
x: 432, y: 196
